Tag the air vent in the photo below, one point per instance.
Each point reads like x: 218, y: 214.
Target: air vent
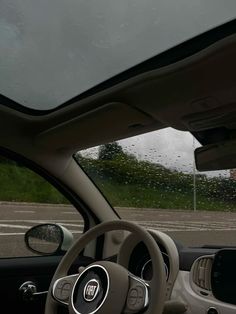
x: 201, y: 272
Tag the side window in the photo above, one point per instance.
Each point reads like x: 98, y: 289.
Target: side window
x: 26, y: 200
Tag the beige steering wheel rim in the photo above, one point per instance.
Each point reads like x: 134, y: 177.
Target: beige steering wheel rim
x: 157, y: 284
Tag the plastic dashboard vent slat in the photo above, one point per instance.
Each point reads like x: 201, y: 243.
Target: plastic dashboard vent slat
x: 201, y: 273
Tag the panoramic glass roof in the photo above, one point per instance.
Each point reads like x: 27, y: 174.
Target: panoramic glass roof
x: 53, y: 50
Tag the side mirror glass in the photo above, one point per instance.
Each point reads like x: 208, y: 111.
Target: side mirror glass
x: 47, y: 239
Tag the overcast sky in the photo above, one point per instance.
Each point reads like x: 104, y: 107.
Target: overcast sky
x: 53, y: 50
x: 168, y: 147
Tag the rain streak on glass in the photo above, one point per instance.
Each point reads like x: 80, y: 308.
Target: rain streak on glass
x: 151, y: 179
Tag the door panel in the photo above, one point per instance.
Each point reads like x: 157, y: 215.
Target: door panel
x: 15, y: 271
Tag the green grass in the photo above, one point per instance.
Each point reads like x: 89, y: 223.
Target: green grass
x: 146, y: 197
x: 22, y: 185
x: 128, y: 182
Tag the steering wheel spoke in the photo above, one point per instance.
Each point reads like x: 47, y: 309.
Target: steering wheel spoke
x: 138, y: 295
x: 62, y: 289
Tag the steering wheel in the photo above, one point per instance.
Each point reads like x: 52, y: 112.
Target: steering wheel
x: 105, y: 287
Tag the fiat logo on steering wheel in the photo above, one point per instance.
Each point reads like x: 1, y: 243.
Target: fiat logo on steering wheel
x: 91, y: 290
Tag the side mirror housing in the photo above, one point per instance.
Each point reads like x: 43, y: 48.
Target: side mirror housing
x: 47, y: 239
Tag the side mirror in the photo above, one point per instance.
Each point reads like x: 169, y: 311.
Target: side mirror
x: 48, y: 239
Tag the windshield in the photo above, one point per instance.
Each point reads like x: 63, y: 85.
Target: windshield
x: 151, y: 179
x: 54, y: 50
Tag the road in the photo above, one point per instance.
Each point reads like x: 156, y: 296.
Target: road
x: 190, y: 228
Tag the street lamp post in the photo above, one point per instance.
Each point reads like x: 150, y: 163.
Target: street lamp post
x: 194, y: 181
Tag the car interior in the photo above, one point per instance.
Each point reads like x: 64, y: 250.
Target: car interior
x: 116, y: 265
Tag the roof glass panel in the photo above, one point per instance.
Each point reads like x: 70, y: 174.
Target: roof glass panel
x: 51, y: 51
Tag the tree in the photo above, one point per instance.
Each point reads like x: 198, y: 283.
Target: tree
x: 110, y: 151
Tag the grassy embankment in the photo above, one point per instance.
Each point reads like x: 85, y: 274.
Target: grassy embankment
x: 22, y: 185
x: 132, y: 183
x: 127, y: 183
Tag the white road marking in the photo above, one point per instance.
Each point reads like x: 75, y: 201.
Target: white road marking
x: 8, y: 226
x: 80, y: 223
x: 11, y: 234
x: 25, y: 211
x: 188, y: 226
x: 76, y: 226
x: 13, y: 226
x: 22, y: 233
x: 71, y: 225
x: 71, y: 213
x: 51, y: 220
x: 36, y: 221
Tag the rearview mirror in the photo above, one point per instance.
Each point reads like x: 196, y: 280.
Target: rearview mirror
x: 219, y: 156
x: 48, y: 239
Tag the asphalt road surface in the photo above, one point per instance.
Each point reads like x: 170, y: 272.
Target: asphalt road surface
x: 190, y: 228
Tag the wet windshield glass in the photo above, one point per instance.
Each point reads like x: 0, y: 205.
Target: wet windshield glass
x: 51, y: 51
x: 151, y: 179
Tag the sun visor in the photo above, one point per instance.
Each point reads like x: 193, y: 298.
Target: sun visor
x: 110, y: 122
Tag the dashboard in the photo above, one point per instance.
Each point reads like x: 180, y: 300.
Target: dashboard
x: 206, y: 280
x: 201, y: 279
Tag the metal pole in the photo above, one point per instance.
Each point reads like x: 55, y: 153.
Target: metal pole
x: 194, y: 181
